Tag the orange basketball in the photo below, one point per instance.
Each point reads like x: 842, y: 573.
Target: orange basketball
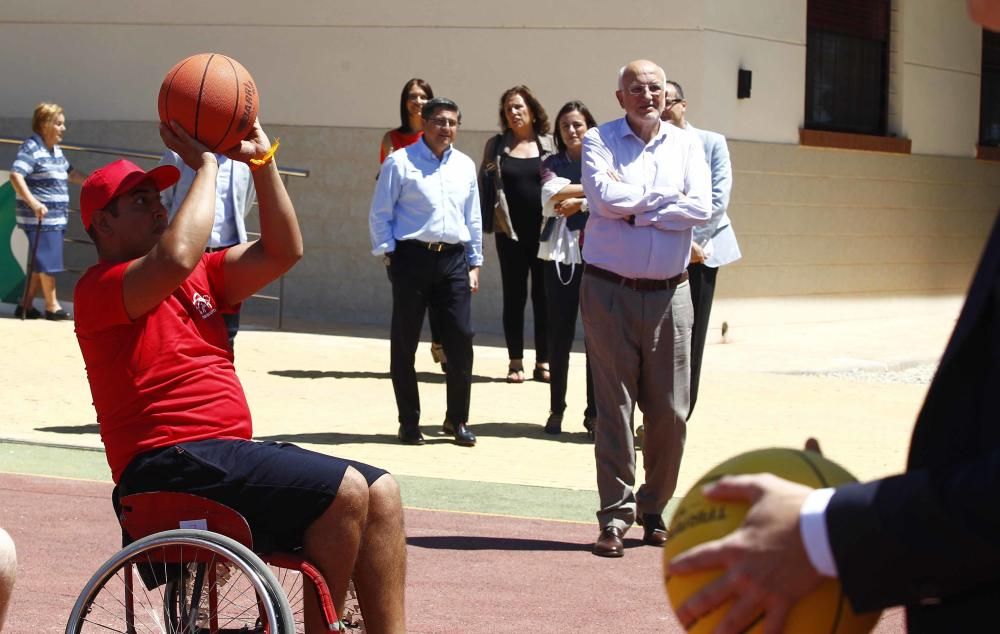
x: 212, y: 97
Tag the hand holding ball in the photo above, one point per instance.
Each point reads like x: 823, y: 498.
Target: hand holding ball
x: 698, y: 520
x: 212, y: 97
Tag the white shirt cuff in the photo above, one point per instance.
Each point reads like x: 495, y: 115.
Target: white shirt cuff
x: 812, y: 526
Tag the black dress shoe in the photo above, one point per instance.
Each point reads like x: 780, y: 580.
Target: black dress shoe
x: 33, y: 313
x: 609, y: 543
x: 410, y: 435
x: 589, y: 422
x: 554, y: 424
x: 654, y: 532
x: 57, y: 315
x: 447, y: 427
x: 463, y: 436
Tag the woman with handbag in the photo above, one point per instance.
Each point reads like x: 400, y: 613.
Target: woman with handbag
x: 510, y: 194
x: 564, y: 211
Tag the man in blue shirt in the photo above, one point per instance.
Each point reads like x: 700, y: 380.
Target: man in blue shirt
x: 425, y: 222
x: 234, y: 196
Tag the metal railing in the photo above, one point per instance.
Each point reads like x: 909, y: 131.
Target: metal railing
x: 285, y: 173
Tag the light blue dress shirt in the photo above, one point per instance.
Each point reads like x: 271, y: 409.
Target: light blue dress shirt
x: 665, y: 184
x: 421, y: 197
x: 234, y: 195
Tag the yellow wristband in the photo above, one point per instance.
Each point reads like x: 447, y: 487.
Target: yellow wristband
x: 257, y: 163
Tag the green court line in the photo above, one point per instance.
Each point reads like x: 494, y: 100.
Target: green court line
x: 63, y: 462
x: 436, y: 494
x: 418, y: 492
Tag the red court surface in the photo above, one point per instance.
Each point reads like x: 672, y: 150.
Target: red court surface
x: 466, y: 572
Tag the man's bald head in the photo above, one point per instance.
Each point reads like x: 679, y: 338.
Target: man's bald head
x: 640, y: 94
x: 630, y: 71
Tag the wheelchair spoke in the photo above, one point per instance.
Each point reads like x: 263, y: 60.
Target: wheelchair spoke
x: 292, y: 582
x: 227, y: 590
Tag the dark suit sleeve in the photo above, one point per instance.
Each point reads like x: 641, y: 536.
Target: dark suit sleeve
x: 918, y: 537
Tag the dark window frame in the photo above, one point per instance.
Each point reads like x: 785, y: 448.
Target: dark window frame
x: 847, y: 66
x: 989, y: 91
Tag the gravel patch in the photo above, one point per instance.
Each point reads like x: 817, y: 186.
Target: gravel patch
x: 913, y: 373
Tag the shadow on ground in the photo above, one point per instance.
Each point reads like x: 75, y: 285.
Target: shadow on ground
x: 337, y: 438
x: 92, y: 428
x: 422, y: 377
x: 476, y: 542
x: 432, y: 434
x: 529, y: 430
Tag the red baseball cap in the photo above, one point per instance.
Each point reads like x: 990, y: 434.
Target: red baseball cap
x: 114, y: 179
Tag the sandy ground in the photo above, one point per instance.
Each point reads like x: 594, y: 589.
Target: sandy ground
x: 851, y: 371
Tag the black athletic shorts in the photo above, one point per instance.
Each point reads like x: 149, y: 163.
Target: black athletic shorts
x: 279, y: 488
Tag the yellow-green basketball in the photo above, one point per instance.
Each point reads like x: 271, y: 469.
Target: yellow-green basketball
x: 698, y: 520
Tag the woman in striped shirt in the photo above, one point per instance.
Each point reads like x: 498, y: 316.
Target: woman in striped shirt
x: 40, y: 176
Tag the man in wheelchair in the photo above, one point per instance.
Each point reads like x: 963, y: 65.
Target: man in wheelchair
x: 172, y: 412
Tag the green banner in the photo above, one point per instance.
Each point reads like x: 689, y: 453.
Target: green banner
x: 11, y: 268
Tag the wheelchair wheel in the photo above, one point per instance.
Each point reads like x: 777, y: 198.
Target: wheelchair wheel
x: 292, y: 586
x: 182, y: 582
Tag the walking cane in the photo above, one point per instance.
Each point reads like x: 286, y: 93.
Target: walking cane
x: 29, y: 268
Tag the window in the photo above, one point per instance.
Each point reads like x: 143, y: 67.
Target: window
x: 847, y: 62
x: 989, y: 94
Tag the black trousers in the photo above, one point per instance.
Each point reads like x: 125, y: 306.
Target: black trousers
x: 425, y: 280
x: 562, y: 302
x: 518, y: 260
x: 702, y: 279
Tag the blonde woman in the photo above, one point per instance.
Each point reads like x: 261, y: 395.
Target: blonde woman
x: 40, y: 174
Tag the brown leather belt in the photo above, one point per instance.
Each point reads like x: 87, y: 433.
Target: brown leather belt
x: 637, y: 284
x: 436, y: 247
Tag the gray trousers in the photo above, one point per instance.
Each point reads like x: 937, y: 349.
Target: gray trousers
x: 639, y: 344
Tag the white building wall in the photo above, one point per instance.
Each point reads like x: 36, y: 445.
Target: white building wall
x: 341, y: 64
x: 329, y: 72
x: 941, y: 71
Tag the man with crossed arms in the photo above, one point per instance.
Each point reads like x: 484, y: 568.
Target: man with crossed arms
x: 647, y: 185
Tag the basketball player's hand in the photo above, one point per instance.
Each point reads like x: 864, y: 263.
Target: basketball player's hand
x: 191, y: 151
x: 766, y: 568
x: 255, y: 145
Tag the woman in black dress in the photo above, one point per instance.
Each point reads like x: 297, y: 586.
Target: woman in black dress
x: 510, y: 190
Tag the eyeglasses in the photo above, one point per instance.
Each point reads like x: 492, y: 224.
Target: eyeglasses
x: 672, y: 102
x: 443, y: 122
x: 638, y: 90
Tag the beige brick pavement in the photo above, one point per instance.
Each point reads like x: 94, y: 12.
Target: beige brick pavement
x: 789, y: 368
